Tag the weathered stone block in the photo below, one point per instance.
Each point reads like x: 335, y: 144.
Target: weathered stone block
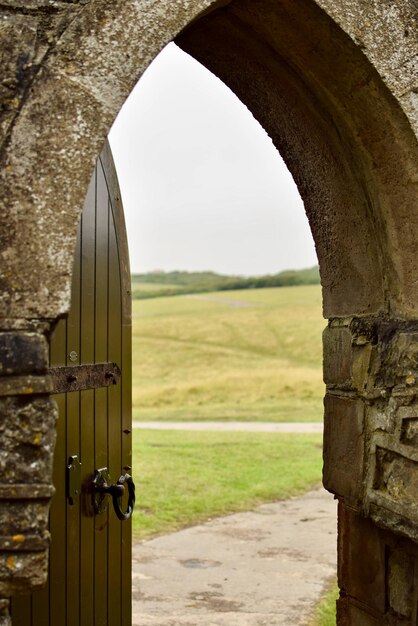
x: 18, y: 42
x: 337, y: 356
x: 23, y: 353
x: 400, y: 583
x: 391, y: 499
x: 361, y: 359
x: 392, y: 482
x: 22, y: 571
x: 350, y: 614
x: 361, y: 560
x: 382, y: 415
x: 346, y: 358
x: 399, y: 361
x: 397, y: 478
x: 4, y: 612
x: 23, y: 517
x: 344, y: 447
x: 27, y: 434
x: 25, y: 385
x: 409, y: 431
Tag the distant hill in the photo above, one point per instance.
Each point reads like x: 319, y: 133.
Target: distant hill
x: 158, y: 284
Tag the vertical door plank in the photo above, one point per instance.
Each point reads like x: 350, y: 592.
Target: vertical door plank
x: 114, y: 427
x: 87, y: 319
x: 101, y: 435
x: 126, y: 405
x: 126, y: 368
x: 126, y: 425
x: 73, y: 448
x: 40, y: 606
x: 21, y: 610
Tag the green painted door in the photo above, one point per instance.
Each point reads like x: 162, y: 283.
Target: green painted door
x: 90, y: 558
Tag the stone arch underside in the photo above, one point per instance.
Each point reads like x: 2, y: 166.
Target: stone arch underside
x: 343, y: 134
x: 332, y: 82
x: 339, y: 130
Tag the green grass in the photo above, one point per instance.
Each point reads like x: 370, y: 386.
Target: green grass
x: 241, y: 355
x: 187, y: 477
x: 325, y: 612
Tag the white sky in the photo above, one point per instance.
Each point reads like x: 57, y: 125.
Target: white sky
x: 202, y: 184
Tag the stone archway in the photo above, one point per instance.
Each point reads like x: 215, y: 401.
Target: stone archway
x: 333, y: 84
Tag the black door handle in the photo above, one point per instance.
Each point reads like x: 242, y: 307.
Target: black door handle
x: 101, y: 488
x: 126, y: 479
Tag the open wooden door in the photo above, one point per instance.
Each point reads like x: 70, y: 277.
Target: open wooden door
x: 90, y: 559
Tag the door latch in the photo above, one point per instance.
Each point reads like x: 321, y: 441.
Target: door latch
x: 102, y: 487
x: 73, y: 479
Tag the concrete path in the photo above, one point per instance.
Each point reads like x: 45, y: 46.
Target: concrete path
x: 253, y: 427
x: 263, y: 568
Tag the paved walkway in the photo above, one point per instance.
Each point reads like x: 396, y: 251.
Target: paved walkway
x: 263, y: 568
x: 253, y: 427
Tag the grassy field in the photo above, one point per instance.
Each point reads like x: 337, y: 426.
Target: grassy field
x: 187, y: 477
x: 242, y: 355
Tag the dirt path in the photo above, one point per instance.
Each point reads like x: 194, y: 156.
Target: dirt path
x: 254, y: 427
x: 263, y: 568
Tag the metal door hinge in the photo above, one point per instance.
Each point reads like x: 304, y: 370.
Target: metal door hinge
x: 79, y: 377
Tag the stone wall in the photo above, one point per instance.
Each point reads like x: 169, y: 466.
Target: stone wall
x: 371, y: 419
x: 27, y: 434
x: 370, y: 463
x: 334, y: 83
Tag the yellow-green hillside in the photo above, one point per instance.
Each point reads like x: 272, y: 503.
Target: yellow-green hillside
x: 240, y: 355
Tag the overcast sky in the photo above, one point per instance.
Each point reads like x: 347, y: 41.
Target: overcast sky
x: 202, y: 185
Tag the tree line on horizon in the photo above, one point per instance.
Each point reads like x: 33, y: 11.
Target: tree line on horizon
x: 175, y: 283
